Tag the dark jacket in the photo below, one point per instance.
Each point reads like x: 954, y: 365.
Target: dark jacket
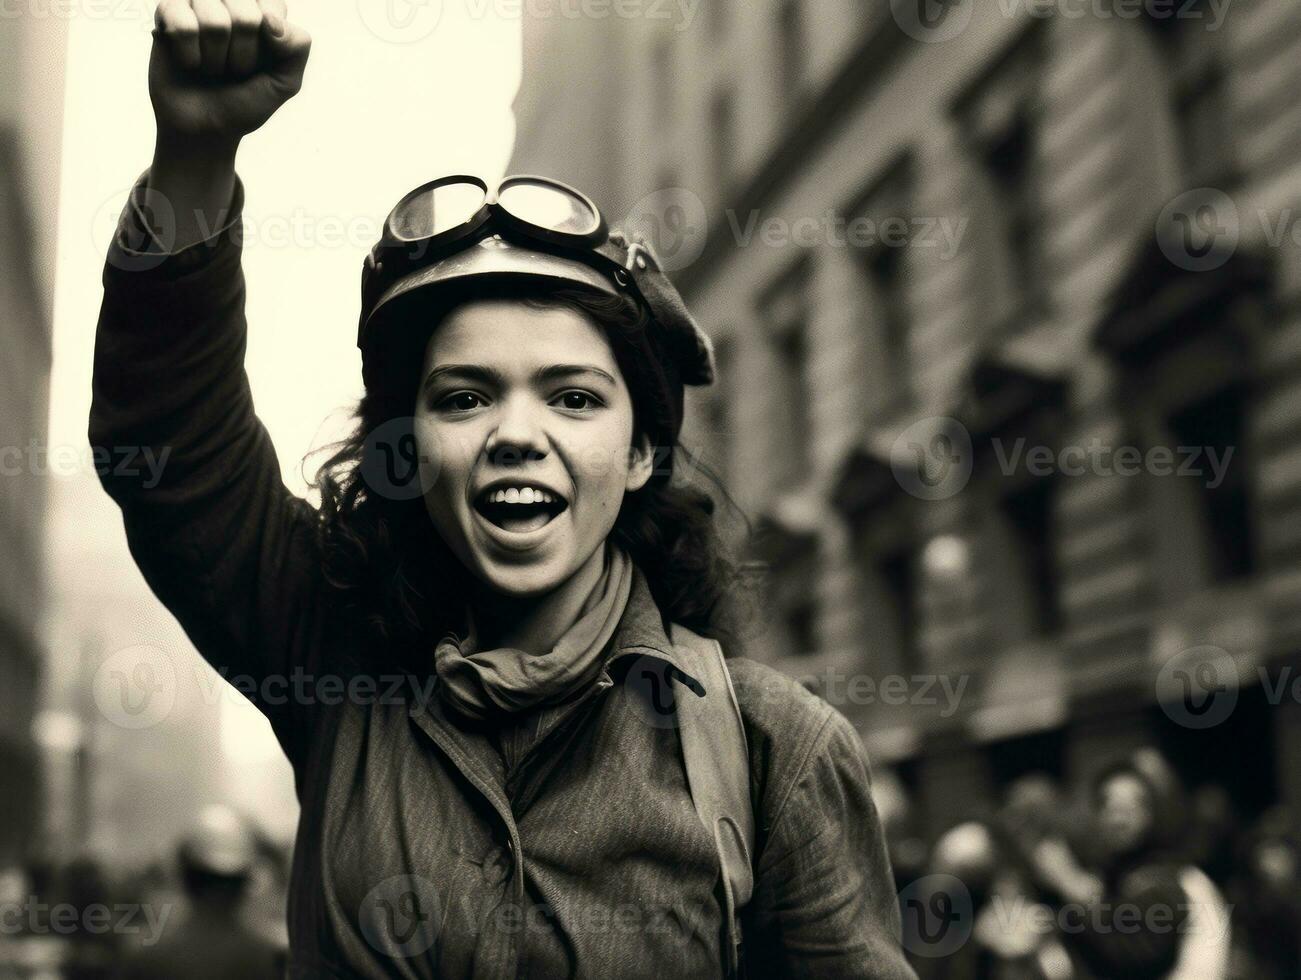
x: 417, y: 853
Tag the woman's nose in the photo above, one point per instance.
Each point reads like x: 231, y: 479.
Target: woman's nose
x: 519, y: 435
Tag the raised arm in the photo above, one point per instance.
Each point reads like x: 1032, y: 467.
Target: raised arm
x: 218, y: 70
x: 217, y: 535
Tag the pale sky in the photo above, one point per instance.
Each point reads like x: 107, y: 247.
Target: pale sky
x: 375, y: 117
x: 396, y: 93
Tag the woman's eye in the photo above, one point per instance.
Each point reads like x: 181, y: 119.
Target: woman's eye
x: 577, y: 401
x: 460, y: 401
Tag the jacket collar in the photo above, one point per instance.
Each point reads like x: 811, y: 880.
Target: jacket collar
x: 641, y: 633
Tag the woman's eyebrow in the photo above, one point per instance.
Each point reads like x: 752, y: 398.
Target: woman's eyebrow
x: 554, y: 372
x: 490, y: 376
x: 471, y: 372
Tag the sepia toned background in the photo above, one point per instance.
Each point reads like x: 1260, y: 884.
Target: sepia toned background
x: 1006, y: 301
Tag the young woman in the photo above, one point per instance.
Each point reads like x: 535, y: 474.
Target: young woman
x: 1143, y: 910
x: 445, y: 648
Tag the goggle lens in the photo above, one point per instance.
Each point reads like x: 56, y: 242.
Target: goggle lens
x: 546, y: 206
x: 435, y: 210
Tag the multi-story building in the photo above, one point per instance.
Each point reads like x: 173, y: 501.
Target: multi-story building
x: 1007, y: 301
x: 31, y: 112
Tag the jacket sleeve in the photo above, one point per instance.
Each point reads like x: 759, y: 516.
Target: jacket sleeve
x: 824, y: 903
x: 217, y: 535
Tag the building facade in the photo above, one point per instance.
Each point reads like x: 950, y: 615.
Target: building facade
x: 1006, y: 302
x: 31, y: 113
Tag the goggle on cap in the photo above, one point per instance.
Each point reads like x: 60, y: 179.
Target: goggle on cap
x: 534, y: 228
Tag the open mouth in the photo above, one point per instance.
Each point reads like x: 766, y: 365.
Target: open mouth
x: 519, y: 509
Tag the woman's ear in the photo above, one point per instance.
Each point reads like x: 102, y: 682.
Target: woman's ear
x: 641, y: 464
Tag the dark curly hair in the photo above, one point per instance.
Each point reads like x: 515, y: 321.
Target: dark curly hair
x: 385, y: 560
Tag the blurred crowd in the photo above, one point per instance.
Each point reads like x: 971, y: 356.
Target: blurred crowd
x: 215, y: 908
x: 1129, y: 876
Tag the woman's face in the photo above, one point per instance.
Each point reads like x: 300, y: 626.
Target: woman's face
x: 1124, y: 813
x: 524, y: 423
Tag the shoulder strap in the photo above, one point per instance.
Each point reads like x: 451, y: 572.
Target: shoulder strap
x: 717, y: 758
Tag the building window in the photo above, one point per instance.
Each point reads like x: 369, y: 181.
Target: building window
x: 791, y: 606
x: 883, y: 264
x: 898, y: 575
x: 792, y: 51
x: 1187, y: 345
x: 1028, y: 511
x: 884, y: 267
x: 1022, y: 598
x: 1198, y: 98
x: 1008, y: 160
x: 790, y: 347
x: 1213, y: 427
x: 722, y: 118
x: 999, y: 119
x: 783, y: 310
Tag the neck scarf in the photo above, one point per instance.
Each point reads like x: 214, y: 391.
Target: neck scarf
x: 483, y: 684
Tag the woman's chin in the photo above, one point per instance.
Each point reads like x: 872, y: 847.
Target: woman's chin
x: 522, y: 582
x: 521, y: 575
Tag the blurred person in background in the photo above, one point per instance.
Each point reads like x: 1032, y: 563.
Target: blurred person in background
x: 1144, y: 911
x: 267, y: 899
x: 1266, y: 898
x: 1214, y: 832
x: 1033, y: 809
x: 24, y: 953
x: 907, y: 848
x: 1012, y: 937
x: 210, y: 937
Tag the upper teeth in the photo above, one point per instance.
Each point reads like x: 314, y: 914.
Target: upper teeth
x: 520, y: 495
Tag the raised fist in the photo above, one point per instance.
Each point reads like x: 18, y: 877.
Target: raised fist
x: 221, y: 68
